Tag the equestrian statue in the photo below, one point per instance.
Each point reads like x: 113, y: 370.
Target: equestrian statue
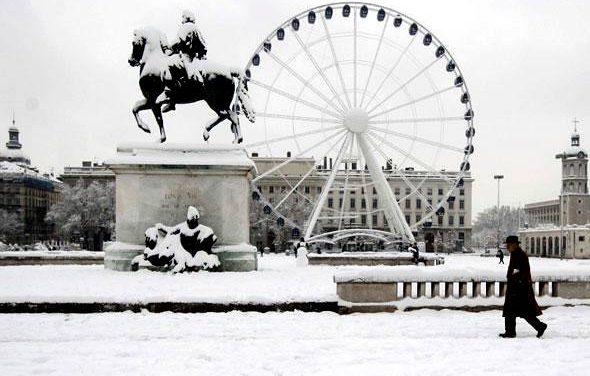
x: 179, y: 73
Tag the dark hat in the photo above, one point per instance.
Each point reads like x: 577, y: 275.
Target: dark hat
x: 512, y: 239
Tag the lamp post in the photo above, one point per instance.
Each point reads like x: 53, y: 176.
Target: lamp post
x: 498, y: 177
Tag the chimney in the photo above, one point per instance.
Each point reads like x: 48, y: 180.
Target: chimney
x: 325, y: 162
x: 330, y: 163
x: 288, y: 154
x: 254, y: 155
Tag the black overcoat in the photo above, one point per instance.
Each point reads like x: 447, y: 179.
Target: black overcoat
x: 520, y: 296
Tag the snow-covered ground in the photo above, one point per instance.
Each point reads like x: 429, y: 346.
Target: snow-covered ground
x: 277, y: 280
x: 423, y: 342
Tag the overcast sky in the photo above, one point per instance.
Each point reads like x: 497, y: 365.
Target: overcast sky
x: 64, y: 72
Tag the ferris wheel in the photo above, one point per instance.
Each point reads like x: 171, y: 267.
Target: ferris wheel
x: 377, y: 95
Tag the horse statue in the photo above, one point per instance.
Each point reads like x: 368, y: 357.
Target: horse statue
x: 163, y: 80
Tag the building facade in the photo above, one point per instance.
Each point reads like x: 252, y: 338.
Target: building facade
x: 89, y: 172
x: 557, y: 228
x: 352, y: 203
x: 26, y: 192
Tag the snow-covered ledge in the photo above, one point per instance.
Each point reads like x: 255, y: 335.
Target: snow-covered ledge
x: 155, y: 183
x: 381, y: 289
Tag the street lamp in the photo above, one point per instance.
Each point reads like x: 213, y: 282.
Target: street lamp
x: 498, y: 177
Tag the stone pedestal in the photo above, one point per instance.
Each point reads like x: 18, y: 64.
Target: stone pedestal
x: 156, y: 183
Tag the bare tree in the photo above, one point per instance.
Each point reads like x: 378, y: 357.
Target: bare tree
x: 85, y: 210
x: 10, y: 225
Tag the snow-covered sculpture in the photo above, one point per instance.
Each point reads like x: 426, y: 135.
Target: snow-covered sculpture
x: 184, y: 247
x: 183, y: 77
x: 302, y: 254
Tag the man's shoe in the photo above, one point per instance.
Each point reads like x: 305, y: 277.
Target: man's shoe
x: 542, y: 330
x: 507, y: 335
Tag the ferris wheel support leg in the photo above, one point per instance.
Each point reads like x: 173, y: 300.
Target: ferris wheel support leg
x: 320, y: 203
x: 392, y: 211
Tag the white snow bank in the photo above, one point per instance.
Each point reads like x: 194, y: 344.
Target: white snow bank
x: 423, y: 342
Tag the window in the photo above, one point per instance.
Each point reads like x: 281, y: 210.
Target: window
x: 363, y: 204
x: 396, y: 191
x: 418, y: 217
x: 352, y: 203
x: 374, y: 191
x: 532, y: 245
x: 440, y: 220
x: 408, y: 191
x: 408, y: 205
x: 374, y: 219
x: 440, y: 191
x: 461, y: 236
x: 352, y: 221
x: 418, y: 203
x: 429, y: 201
x: 451, y: 220
x: 581, y: 238
x: 271, y: 189
x: 306, y: 189
x: 407, y: 219
x: 340, y: 202
x: 319, y: 190
x: 461, y: 192
x: 429, y: 191
x: 330, y: 202
x: 451, y: 205
x: 283, y: 189
x: 363, y: 219
x: 374, y: 203
x: 461, y: 204
x: 461, y: 220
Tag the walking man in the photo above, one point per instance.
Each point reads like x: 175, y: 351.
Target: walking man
x: 520, y: 297
x: 500, y: 255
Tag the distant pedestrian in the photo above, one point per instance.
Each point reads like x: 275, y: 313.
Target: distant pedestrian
x: 520, y: 296
x: 500, y: 255
x: 415, y: 252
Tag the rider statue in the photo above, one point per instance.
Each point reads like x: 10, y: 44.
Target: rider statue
x: 190, y: 47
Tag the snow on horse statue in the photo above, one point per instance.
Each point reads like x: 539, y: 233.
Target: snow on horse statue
x: 184, y: 247
x: 166, y: 80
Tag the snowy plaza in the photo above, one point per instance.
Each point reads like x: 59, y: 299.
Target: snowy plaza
x: 417, y: 342
x: 270, y: 187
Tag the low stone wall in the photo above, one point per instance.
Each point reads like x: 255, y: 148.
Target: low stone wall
x: 371, y: 259
x: 381, y: 294
x: 62, y: 258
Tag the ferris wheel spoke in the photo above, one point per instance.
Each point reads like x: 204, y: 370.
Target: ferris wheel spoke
x: 418, y: 139
x: 320, y: 71
x: 296, y: 117
x: 294, y: 188
x: 412, y: 102
x: 324, y: 195
x: 336, y: 63
x: 417, y: 120
x: 305, y: 82
x: 345, y: 187
x: 305, y: 176
x: 431, y: 169
x: 403, y: 86
x: 399, y: 59
x: 283, y: 138
x: 374, y: 60
x: 354, y: 64
x: 291, y: 159
x: 295, y: 99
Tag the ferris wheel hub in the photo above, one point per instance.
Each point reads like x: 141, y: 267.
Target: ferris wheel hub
x: 356, y: 120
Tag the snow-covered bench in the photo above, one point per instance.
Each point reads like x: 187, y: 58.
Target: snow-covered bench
x: 384, y: 289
